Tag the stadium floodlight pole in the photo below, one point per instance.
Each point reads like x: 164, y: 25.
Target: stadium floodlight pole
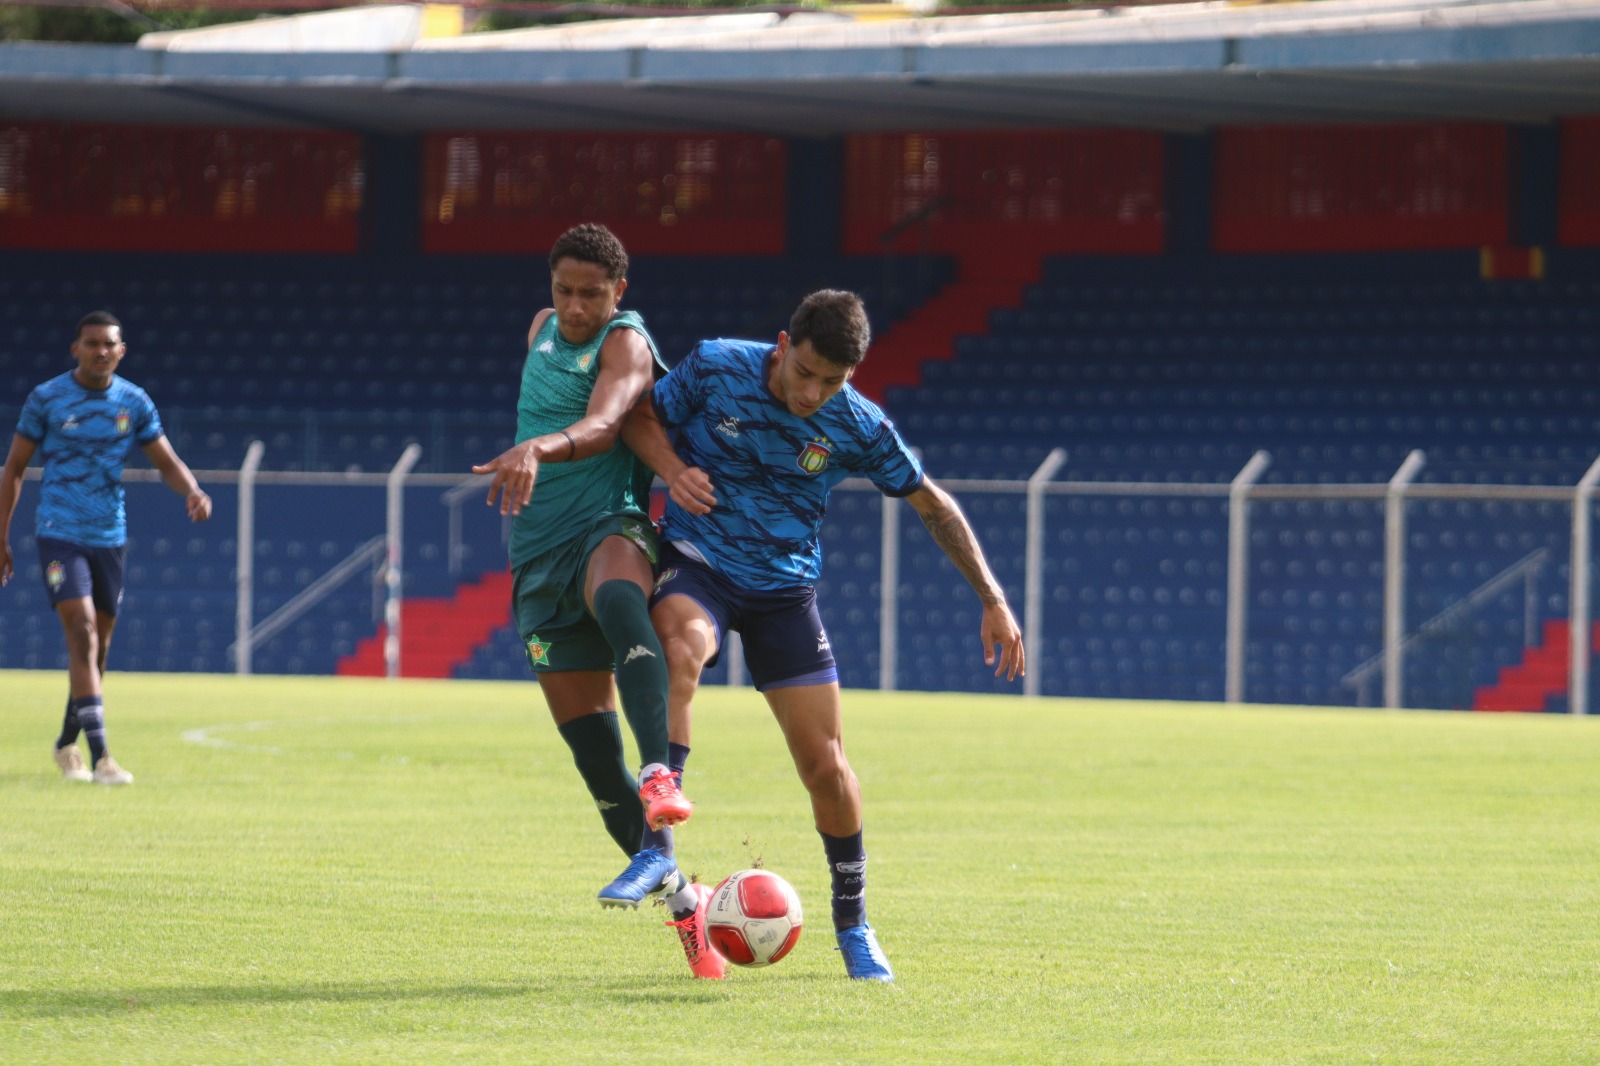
x: 245, y: 554
x: 1578, y: 626
x: 1239, y: 572
x: 396, y: 488
x: 1394, y: 577
x: 1033, y: 580
x: 889, y: 595
x: 889, y: 592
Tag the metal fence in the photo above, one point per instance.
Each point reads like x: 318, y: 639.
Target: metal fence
x: 1208, y: 575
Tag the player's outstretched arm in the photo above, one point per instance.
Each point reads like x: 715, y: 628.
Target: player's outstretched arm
x: 177, y: 476
x: 643, y: 433
x: 17, y: 458
x: 626, y: 371
x: 953, y: 533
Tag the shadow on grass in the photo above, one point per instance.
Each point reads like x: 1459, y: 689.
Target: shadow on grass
x: 692, y: 991
x: 78, y: 1002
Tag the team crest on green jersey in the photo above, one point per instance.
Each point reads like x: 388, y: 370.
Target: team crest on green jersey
x: 538, y: 651
x: 813, y: 457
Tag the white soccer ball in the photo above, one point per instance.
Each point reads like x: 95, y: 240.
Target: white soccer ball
x: 753, y: 918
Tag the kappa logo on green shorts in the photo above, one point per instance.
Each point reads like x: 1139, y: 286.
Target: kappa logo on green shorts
x: 635, y: 532
x: 538, y: 651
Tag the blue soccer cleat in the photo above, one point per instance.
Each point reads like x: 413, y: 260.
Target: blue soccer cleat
x: 863, y: 958
x: 647, y: 873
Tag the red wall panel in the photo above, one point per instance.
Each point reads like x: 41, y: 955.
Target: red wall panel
x: 1033, y: 192
x: 662, y: 194
x: 1359, y: 188
x: 1579, y: 217
x: 182, y: 189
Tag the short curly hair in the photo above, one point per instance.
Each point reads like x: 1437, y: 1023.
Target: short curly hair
x: 835, y: 322
x: 592, y: 243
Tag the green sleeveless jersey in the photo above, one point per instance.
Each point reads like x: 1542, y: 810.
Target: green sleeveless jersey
x: 568, y: 498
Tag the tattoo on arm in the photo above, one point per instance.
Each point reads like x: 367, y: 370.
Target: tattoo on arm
x: 954, y: 536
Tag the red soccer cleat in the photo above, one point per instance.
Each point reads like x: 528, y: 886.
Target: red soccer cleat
x: 663, y: 800
x: 703, y: 958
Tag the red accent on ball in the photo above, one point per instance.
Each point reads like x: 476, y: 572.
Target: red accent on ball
x: 762, y: 896
x: 788, y: 944
x: 731, y: 945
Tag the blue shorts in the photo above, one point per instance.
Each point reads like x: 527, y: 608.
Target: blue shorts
x: 785, y: 645
x: 72, y: 571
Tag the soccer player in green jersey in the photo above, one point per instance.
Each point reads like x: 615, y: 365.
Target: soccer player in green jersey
x: 582, y: 551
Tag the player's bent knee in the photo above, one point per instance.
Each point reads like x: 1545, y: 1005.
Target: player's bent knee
x: 827, y: 776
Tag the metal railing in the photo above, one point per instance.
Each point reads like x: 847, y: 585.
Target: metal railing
x: 1241, y: 492
x: 1526, y: 570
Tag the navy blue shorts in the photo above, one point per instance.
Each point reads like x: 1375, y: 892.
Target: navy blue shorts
x: 72, y: 571
x: 785, y: 645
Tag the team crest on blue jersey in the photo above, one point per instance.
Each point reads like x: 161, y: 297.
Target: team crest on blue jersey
x: 55, y: 574
x: 813, y: 457
x: 124, y: 422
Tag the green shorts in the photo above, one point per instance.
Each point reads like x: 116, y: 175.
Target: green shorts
x: 547, y: 599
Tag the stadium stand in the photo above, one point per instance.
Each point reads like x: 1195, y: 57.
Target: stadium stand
x: 1158, y: 266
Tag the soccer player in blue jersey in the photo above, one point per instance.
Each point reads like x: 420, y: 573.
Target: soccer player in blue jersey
x: 82, y: 425
x: 762, y: 433
x: 582, y: 550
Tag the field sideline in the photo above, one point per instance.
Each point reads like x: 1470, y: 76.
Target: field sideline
x: 344, y: 871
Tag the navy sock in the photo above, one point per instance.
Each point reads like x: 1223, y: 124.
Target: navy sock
x: 660, y: 839
x: 596, y: 743
x: 847, y: 862
x: 90, y: 713
x: 677, y: 759
x: 69, y: 726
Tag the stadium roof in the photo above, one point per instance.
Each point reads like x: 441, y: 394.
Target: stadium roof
x: 1180, y: 67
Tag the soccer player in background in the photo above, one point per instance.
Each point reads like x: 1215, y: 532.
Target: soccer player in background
x: 763, y: 432
x: 82, y: 424
x: 582, y: 551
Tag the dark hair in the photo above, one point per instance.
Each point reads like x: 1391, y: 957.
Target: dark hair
x: 592, y: 243
x: 835, y: 322
x: 96, y: 318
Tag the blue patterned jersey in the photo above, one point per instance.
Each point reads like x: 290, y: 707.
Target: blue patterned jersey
x: 771, y: 470
x: 83, y: 437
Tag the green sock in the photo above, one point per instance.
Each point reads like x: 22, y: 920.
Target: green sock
x: 624, y: 617
x: 596, y: 744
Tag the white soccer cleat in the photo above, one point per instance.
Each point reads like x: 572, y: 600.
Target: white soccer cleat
x: 71, y: 762
x: 107, y: 772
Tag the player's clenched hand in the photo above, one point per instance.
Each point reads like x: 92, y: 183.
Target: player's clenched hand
x: 198, y: 505
x: 1000, y: 628
x: 691, y: 490
x: 515, y: 471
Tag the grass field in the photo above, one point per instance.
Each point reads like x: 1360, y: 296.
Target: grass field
x: 338, y: 871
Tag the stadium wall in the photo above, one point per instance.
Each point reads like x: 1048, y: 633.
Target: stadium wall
x: 974, y: 194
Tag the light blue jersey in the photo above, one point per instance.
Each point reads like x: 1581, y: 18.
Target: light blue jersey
x: 771, y: 470
x: 83, y: 437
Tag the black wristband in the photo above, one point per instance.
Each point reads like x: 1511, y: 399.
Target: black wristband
x: 572, y: 446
